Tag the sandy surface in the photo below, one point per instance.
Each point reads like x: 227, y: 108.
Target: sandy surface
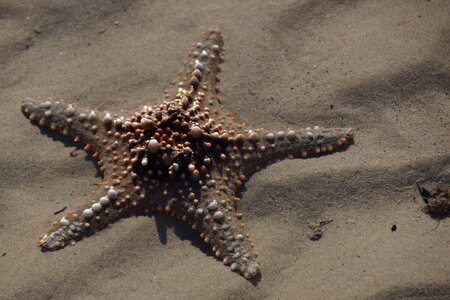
x: 381, y: 67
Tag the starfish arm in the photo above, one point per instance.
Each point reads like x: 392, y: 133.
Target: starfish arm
x: 263, y: 147
x: 211, y: 211
x: 207, y: 206
x: 217, y: 220
x: 197, y: 83
x: 199, y: 72
x: 106, y: 207
x: 83, y: 126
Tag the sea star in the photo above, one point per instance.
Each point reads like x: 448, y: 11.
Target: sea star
x: 185, y: 157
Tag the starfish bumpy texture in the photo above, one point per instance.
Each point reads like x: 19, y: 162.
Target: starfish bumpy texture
x: 185, y: 157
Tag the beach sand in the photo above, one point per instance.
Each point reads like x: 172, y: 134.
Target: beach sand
x: 381, y: 67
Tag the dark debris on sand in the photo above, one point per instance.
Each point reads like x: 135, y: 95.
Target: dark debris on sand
x: 437, y: 200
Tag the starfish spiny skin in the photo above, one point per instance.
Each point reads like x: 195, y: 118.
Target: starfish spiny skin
x: 175, y: 158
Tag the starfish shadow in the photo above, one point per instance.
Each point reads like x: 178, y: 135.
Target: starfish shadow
x: 241, y: 190
x: 425, y: 290
x: 163, y: 223
x: 67, y: 141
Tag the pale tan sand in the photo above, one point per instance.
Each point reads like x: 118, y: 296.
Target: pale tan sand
x: 384, y: 67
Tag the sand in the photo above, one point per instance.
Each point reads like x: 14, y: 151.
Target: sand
x: 381, y: 67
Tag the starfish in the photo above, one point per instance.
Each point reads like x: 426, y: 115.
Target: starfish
x: 185, y: 156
